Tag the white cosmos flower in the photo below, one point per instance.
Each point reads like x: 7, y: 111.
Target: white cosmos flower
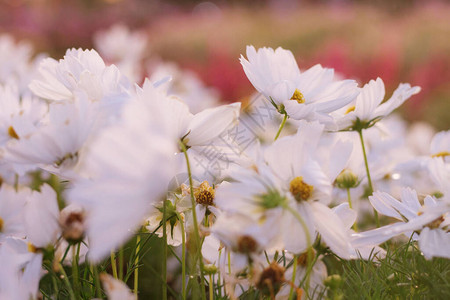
x: 41, y: 216
x: 58, y: 142
x: 428, y: 224
x: 291, y: 179
x: 80, y: 70
x: 369, y: 107
x: 440, y: 145
x: 311, y: 95
x: 195, y: 130
x: 130, y: 165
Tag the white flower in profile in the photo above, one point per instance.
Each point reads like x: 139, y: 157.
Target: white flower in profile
x: 440, y: 145
x: 311, y: 95
x: 116, y: 289
x: 130, y: 165
x: 12, y: 205
x: 369, y: 107
x: 192, y: 129
x: 80, y: 70
x: 21, y: 270
x: 41, y: 214
x: 428, y: 224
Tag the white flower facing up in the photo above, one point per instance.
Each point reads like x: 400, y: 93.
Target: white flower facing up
x: 429, y: 224
x: 292, y: 184
x: 311, y: 94
x: 369, y: 107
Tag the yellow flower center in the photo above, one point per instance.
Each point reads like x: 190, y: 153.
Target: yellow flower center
x: 300, y: 190
x: 12, y: 133
x: 298, y: 96
x: 350, y: 109
x: 31, y: 248
x: 204, y: 194
x: 1, y: 224
x: 441, y: 154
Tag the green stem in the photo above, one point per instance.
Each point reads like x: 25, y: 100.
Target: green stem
x: 308, y: 244
x: 98, y: 290
x: 75, y: 270
x: 136, y: 262
x: 211, y: 288
x: 113, y: 264
x: 281, y: 126
x: 183, y: 258
x: 349, y: 198
x: 368, y: 174
x: 294, y: 272
x: 164, y: 262
x: 121, y: 263
x: 194, y: 217
x: 67, y: 282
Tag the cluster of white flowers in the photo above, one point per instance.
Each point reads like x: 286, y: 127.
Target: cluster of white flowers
x: 89, y: 159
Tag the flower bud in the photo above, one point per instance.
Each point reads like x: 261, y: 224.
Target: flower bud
x: 347, y: 180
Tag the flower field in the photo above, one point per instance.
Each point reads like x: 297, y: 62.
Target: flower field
x: 224, y: 153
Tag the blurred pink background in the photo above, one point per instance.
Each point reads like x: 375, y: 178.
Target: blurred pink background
x: 399, y: 41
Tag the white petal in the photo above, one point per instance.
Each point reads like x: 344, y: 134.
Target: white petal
x: 211, y: 123
x: 332, y: 229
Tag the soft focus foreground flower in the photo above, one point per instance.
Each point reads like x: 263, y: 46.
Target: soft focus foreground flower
x: 20, y: 272
x: 41, y: 216
x: 116, y: 289
x: 310, y: 95
x: 130, y: 165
